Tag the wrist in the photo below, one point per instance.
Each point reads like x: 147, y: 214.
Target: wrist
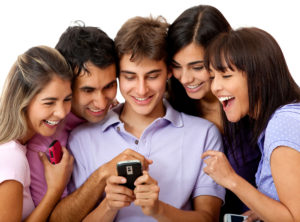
x: 160, y: 211
x: 233, y: 182
x: 101, y: 174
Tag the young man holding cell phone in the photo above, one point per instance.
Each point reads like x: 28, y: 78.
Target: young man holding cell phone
x: 175, y: 188
x: 92, y: 57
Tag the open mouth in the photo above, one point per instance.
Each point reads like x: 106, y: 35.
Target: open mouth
x: 226, y: 101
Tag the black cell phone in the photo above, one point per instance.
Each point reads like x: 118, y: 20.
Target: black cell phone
x: 234, y: 218
x: 131, y: 170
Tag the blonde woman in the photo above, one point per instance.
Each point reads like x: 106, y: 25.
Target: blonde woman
x: 35, y: 99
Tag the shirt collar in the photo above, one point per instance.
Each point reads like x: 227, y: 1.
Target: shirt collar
x: 172, y: 116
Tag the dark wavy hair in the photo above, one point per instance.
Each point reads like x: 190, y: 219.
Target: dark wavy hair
x: 81, y: 44
x: 199, y: 25
x: 257, y: 54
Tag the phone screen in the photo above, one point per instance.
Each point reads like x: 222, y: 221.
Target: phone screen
x: 237, y: 218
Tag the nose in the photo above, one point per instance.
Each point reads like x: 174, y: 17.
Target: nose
x: 62, y: 110
x: 186, y: 77
x: 99, y: 100
x: 142, y: 88
x: 216, y: 85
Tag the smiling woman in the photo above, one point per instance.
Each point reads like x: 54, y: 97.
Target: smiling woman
x: 35, y: 99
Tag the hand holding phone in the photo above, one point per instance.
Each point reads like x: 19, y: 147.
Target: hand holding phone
x: 131, y: 170
x: 234, y: 218
x: 55, y: 152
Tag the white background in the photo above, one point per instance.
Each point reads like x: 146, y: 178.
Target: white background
x: 27, y: 23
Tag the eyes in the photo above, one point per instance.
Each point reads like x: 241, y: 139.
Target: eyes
x: 195, y: 68
x: 131, y: 77
x: 52, y: 101
x: 224, y: 76
x: 88, y: 89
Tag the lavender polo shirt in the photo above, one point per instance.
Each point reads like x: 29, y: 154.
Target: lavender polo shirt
x: 283, y: 129
x: 174, y: 142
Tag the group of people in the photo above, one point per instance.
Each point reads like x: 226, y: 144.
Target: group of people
x: 212, y: 113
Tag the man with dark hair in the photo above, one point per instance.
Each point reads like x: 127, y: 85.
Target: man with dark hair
x: 93, y: 59
x: 175, y: 188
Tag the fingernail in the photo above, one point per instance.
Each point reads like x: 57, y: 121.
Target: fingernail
x: 40, y: 154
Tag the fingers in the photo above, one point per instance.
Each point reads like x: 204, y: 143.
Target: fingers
x: 131, y: 154
x: 67, y: 158
x: 210, y: 153
x: 118, y: 196
x: 145, y: 179
x: 43, y: 158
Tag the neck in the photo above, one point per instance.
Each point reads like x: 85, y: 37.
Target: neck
x: 136, y: 123
x: 211, y: 110
x: 25, y: 139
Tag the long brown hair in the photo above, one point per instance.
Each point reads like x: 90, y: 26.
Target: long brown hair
x: 257, y: 54
x: 29, y: 74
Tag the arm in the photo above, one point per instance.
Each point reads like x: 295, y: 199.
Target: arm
x: 117, y: 197
x: 11, y: 199
x: 283, y: 160
x: 206, y: 208
x: 78, y: 204
x: 57, y: 177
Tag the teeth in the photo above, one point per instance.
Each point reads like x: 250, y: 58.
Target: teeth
x: 94, y: 110
x: 225, y: 98
x: 141, y: 99
x: 52, y: 123
x: 193, y: 86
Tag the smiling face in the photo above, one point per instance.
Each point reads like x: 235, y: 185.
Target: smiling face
x: 49, y: 107
x: 143, y: 85
x: 231, y: 88
x: 188, y: 68
x: 93, y: 92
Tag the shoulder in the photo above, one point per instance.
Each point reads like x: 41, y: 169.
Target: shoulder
x: 285, y: 116
x: 13, y: 164
x: 196, y: 122
x: 283, y: 128
x: 12, y: 149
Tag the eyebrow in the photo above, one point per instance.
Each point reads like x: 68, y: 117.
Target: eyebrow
x: 112, y: 82
x: 190, y: 63
x: 147, y: 73
x: 54, y: 98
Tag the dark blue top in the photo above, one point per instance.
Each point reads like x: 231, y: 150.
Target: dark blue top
x: 245, y: 164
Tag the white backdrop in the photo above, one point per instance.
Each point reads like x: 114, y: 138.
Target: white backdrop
x: 27, y: 23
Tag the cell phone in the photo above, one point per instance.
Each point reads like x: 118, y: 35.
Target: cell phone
x: 234, y: 218
x: 55, y: 152
x: 131, y: 170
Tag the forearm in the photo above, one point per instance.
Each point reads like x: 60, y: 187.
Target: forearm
x: 168, y: 213
x: 265, y: 207
x: 79, y: 203
x: 43, y: 210
x: 102, y: 213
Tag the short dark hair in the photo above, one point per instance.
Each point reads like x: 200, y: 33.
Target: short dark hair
x: 257, y: 54
x: 82, y: 44
x: 200, y: 25
x: 143, y: 37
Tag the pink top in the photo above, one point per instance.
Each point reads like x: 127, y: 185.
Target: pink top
x: 38, y: 186
x: 14, y: 166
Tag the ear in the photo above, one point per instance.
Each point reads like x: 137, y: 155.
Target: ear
x: 169, y: 74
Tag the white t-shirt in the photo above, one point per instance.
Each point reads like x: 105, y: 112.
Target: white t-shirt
x: 14, y: 166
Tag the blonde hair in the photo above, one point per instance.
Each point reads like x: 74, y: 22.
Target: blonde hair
x: 30, y: 73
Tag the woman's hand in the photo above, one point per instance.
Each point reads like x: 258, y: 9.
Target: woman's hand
x: 218, y: 168
x: 146, y: 194
x: 57, y: 175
